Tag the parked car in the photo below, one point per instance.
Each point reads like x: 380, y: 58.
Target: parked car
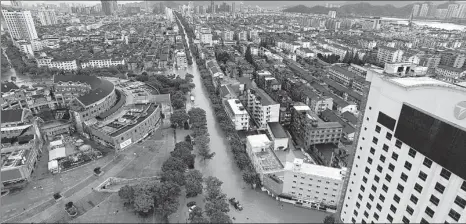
x: 236, y: 204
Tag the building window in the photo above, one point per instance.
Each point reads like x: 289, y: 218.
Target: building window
x: 385, y: 148
x: 389, y: 136
x: 371, y: 197
x: 353, y: 220
x: 414, y: 199
x: 422, y: 176
x: 463, y: 186
x: 396, y: 198
x: 358, y: 205
x: 391, y: 167
x: 390, y: 218
x: 439, y: 187
x: 385, y: 188
x: 377, y: 129
x: 374, y: 188
x: 405, y: 220
x: 388, y: 178
x: 423, y: 221
x: 369, y: 160
x: 429, y: 212
x: 408, y: 165
x: 376, y: 178
x: 412, y: 152
x: 372, y: 151
x: 360, y: 196
x: 364, y: 179
x: 355, y: 213
x: 376, y: 216
x: 382, y: 158
x: 454, y: 215
x: 427, y: 162
x: 375, y: 140
x: 409, y: 210
x: 393, y: 208
x: 382, y: 198
x: 362, y: 188
x: 367, y: 170
x: 404, y: 177
x: 368, y: 206
x: 400, y: 188
x: 418, y: 188
x: 395, y: 156
x: 434, y: 200
x: 398, y: 144
x: 460, y: 201
x: 445, y: 174
x: 366, y: 215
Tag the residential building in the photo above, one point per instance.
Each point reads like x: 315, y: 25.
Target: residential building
x: 237, y: 113
x: 415, y: 11
x: 342, y: 75
x: 311, y: 130
x: 102, y: 63
x: 53, y: 63
x: 206, y: 38
x: 314, y: 186
x: 109, y: 7
x: 424, y: 9
x: 332, y: 14
x: 450, y: 74
x: 262, y: 108
x: 305, y: 53
x: 409, y: 161
x: 25, y: 46
x: 20, y: 24
x: 453, y: 59
x: 47, y: 17
x: 389, y: 55
x: 16, y: 3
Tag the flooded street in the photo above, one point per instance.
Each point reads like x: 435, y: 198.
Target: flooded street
x: 258, y: 206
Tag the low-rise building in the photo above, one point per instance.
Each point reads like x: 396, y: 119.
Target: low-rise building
x: 305, y: 53
x: 278, y: 136
x: 102, y: 63
x: 311, y: 130
x: 237, y: 113
x: 314, y: 186
x: 181, y: 60
x: 389, y: 55
x: 260, y: 151
x: 450, y: 74
x: 54, y: 63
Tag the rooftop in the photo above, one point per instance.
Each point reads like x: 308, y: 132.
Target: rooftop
x: 100, y: 88
x: 265, y: 99
x: 277, y: 130
x: 317, y: 170
x: 10, y: 116
x: 258, y: 141
x: 8, y: 86
x: 237, y: 107
x: 409, y: 82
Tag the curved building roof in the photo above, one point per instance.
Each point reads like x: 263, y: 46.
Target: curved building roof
x: 100, y: 88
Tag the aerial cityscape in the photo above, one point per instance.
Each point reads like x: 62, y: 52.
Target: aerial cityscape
x: 233, y: 111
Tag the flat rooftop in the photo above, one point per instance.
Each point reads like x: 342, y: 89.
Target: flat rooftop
x: 265, y: 99
x: 237, y: 107
x: 317, y: 170
x: 420, y: 81
x: 277, y: 130
x: 258, y: 141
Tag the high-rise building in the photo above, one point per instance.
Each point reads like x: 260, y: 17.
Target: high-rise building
x: 20, y: 24
x: 47, y: 17
x: 16, y: 3
x: 233, y: 8
x: 109, y: 7
x: 409, y: 165
x: 212, y: 7
x: 462, y: 11
x: 441, y: 13
x: 424, y: 9
x: 415, y: 11
x: 332, y: 14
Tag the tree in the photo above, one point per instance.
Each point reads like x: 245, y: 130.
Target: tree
x: 197, y: 216
x: 175, y: 164
x: 242, y: 160
x: 213, y: 189
x: 166, y: 198
x: 179, y: 117
x: 174, y: 176
x: 143, y: 201
x: 220, y: 217
x: 193, y: 183
x: 329, y: 219
x: 216, y: 205
x: 205, y: 153
x: 127, y: 193
x: 251, y: 177
x: 248, y: 55
x: 178, y: 103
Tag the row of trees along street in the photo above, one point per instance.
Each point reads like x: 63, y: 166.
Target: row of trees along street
x: 238, y: 147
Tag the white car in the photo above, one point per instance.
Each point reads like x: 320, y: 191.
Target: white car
x: 191, y: 208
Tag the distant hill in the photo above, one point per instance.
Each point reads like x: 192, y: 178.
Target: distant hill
x: 361, y: 9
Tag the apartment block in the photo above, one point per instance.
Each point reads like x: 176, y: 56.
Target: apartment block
x: 237, y: 113
x: 262, y: 108
x: 389, y: 55
x: 20, y: 24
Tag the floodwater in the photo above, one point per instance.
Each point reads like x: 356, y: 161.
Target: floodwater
x: 258, y: 206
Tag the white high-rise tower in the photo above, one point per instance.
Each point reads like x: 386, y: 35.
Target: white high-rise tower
x: 410, y: 161
x: 20, y: 24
